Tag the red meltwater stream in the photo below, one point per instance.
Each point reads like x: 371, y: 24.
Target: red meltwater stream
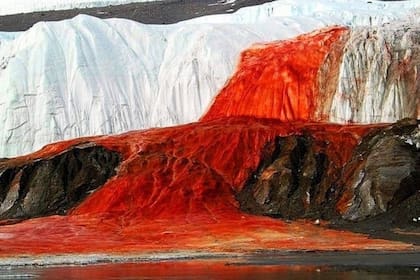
x: 175, y: 189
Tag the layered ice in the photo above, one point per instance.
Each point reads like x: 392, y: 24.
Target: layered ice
x: 88, y: 76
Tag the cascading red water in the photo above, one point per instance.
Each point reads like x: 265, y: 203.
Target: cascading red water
x: 175, y: 189
x: 277, y: 80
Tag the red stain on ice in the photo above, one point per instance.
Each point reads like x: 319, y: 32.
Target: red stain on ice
x: 277, y: 80
x: 175, y: 189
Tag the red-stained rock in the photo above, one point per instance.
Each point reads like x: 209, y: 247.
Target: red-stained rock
x: 53, y: 185
x: 175, y: 190
x: 298, y: 180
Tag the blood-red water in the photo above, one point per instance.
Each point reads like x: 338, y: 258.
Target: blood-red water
x: 175, y: 189
x: 277, y: 80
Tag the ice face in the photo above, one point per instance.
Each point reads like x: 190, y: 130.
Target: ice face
x: 87, y: 76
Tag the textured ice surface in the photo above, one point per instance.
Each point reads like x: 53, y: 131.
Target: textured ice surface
x: 87, y: 76
x: 379, y: 79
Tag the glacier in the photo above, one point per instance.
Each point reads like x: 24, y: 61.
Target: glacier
x: 9, y: 7
x: 87, y: 76
x: 378, y: 80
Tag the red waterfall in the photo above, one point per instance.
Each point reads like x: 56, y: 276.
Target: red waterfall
x: 175, y: 189
x: 277, y: 80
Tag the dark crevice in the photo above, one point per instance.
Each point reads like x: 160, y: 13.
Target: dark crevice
x: 409, y: 186
x: 321, y: 164
x: 269, y: 154
x: 296, y: 159
x: 6, y: 178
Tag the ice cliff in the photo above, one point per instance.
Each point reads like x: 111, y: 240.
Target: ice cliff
x: 87, y: 76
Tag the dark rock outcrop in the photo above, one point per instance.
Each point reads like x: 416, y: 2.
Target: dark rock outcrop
x: 151, y: 12
x: 54, y: 185
x: 382, y: 178
x: 297, y: 181
x: 384, y: 172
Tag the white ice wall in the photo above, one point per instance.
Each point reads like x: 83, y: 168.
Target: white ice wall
x: 379, y: 79
x: 88, y: 76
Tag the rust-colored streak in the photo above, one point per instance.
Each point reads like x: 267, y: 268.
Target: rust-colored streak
x: 277, y: 80
x: 175, y: 190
